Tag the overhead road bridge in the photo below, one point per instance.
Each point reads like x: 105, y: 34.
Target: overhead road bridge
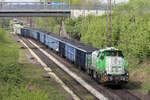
x: 35, y: 9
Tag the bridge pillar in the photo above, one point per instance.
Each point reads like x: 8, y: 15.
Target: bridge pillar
x: 62, y: 31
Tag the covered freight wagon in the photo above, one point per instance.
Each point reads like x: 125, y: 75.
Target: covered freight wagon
x: 73, y: 50
x: 36, y: 34
x: 42, y: 37
x: 78, y: 52
x: 26, y: 32
x: 52, y: 42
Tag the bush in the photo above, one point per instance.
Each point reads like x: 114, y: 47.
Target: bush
x: 10, y: 73
x: 130, y: 29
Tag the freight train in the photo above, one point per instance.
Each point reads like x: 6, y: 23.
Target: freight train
x: 106, y: 66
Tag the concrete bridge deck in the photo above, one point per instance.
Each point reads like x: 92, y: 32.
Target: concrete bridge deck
x: 40, y: 9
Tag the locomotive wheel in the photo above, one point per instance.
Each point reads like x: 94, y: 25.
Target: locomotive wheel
x: 89, y: 72
x: 92, y: 72
x: 98, y: 78
x: 95, y: 75
x: 101, y: 78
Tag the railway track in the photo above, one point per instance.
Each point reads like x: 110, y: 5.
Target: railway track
x: 82, y: 93
x: 111, y: 93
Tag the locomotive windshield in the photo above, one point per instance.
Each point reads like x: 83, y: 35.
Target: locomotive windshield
x: 114, y: 53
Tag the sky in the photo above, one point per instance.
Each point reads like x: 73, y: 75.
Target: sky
x: 117, y: 1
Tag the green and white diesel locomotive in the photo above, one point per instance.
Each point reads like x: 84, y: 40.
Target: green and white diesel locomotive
x: 108, y: 66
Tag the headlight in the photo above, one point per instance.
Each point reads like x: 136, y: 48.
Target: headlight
x: 105, y: 73
x: 127, y: 74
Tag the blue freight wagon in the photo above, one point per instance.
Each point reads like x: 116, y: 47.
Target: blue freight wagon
x: 30, y: 33
x: 78, y: 52
x: 26, y: 32
x: 35, y: 34
x: 42, y: 37
x: 73, y: 50
x: 62, y: 49
x: 52, y: 43
x: 70, y: 52
x: 22, y: 31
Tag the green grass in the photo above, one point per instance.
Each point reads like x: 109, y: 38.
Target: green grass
x: 139, y: 75
x: 8, y: 48
x: 34, y: 76
x: 19, y: 78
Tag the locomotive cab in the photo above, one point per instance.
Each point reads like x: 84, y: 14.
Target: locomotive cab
x: 114, y: 62
x: 109, y: 66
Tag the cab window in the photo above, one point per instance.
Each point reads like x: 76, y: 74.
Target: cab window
x: 114, y: 53
x: 98, y: 54
x: 102, y: 56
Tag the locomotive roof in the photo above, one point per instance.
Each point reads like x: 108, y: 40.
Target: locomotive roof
x: 109, y: 49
